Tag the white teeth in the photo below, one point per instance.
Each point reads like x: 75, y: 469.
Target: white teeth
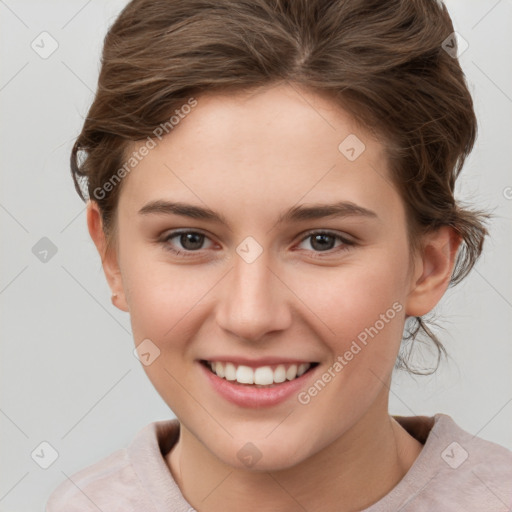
x: 230, y: 371
x: 302, y: 368
x: 261, y: 376
x: 219, y: 370
x: 244, y: 375
x: 280, y: 374
x: 291, y: 373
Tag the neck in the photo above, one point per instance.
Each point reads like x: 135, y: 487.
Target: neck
x: 355, y: 471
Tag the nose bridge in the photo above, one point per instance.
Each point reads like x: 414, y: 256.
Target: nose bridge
x: 253, y: 302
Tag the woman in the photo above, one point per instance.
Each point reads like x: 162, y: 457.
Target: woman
x: 270, y: 187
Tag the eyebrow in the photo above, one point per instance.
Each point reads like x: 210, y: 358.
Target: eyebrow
x: 294, y: 214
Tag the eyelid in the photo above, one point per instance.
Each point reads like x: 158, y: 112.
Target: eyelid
x: 346, y: 242
x: 168, y: 235
x: 341, y: 236
x: 180, y: 231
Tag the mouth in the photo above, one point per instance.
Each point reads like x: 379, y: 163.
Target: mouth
x: 267, y: 376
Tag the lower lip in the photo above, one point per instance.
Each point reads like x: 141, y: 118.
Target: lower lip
x: 249, y: 396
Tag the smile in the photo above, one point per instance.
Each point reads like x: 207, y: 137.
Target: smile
x: 262, y: 376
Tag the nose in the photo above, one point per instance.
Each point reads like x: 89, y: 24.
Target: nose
x: 254, y: 300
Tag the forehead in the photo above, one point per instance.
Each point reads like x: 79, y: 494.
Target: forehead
x: 268, y: 148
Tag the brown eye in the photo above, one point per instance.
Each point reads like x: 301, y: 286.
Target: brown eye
x: 322, y: 242
x: 191, y: 241
x: 184, y: 242
x: 325, y: 241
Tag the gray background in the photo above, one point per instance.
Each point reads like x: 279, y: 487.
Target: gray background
x: 68, y: 373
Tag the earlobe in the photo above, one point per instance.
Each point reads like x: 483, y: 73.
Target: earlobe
x: 108, y: 256
x: 434, y: 267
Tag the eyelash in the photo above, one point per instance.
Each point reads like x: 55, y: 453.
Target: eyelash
x: 346, y: 243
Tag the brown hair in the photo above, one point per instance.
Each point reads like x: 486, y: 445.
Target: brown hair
x: 383, y: 62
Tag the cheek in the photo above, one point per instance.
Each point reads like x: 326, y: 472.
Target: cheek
x: 167, y: 312
x: 165, y: 308
x: 352, y: 297
x: 362, y: 305
x: 162, y: 296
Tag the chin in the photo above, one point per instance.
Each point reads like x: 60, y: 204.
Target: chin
x: 259, y: 456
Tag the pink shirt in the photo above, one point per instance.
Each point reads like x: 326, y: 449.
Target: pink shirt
x: 455, y: 471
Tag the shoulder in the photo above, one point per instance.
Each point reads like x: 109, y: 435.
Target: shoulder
x: 467, y: 472
x: 470, y: 453
x: 114, y: 484
x: 92, y: 488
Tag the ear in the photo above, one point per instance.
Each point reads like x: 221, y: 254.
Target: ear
x: 432, y: 271
x: 109, y: 259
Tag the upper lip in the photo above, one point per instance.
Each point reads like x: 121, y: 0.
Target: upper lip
x: 255, y: 363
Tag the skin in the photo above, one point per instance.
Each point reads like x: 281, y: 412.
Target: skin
x: 250, y: 157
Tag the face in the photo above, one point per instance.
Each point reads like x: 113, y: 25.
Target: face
x: 255, y: 270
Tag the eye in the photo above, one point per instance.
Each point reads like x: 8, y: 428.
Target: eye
x: 187, y: 241
x: 324, y: 241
